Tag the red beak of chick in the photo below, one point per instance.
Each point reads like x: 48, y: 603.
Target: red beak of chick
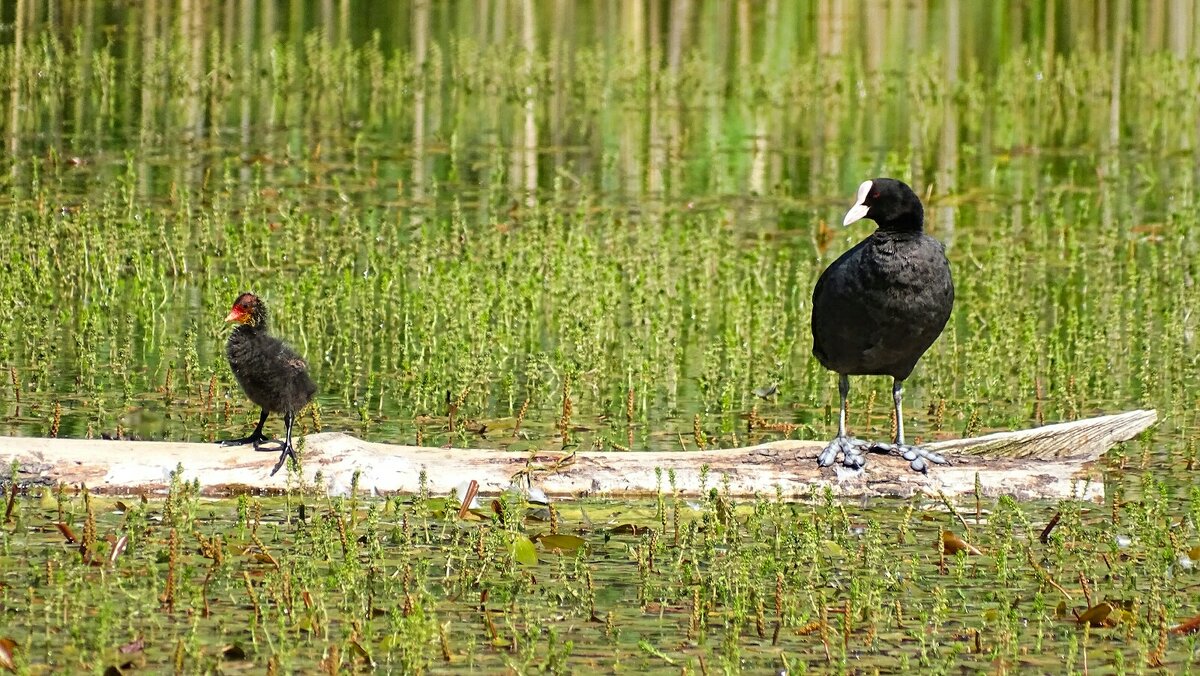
x: 238, y: 315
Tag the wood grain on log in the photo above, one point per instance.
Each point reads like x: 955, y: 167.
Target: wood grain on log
x: 1048, y: 462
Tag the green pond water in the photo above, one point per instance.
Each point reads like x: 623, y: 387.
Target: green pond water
x: 596, y: 225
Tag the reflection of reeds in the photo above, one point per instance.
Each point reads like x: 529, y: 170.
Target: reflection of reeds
x: 56, y: 420
x: 521, y: 417
x: 564, y: 421
x: 629, y: 418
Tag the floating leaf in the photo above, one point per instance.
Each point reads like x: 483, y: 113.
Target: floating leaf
x: 122, y: 507
x: 523, y: 551
x: 259, y: 556
x: 1097, y: 615
x: 1194, y: 553
x: 561, y: 543
x: 1189, y: 626
x: 8, y: 649
x: 629, y: 529
x: 952, y: 544
x: 67, y: 532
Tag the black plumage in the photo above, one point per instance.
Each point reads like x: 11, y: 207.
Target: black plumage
x: 271, y: 374
x: 879, y: 307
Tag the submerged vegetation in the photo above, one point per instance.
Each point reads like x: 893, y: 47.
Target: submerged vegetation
x: 595, y: 225
x: 414, y: 584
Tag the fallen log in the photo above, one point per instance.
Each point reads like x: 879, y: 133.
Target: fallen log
x: 1054, y: 461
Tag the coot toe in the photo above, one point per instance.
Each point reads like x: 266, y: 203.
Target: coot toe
x: 918, y: 457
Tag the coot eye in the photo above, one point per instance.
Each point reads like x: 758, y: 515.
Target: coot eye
x: 875, y: 194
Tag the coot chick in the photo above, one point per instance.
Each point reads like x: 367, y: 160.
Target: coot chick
x: 270, y: 372
x: 878, y: 307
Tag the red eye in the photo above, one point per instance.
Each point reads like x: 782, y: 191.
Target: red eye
x: 875, y: 194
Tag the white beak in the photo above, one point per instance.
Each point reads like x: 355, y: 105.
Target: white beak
x: 859, y: 210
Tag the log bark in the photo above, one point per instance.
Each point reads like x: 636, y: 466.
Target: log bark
x: 1050, y: 462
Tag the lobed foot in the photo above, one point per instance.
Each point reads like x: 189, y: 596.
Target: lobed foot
x: 852, y: 451
x: 256, y: 438
x: 919, y: 458
x: 283, y: 456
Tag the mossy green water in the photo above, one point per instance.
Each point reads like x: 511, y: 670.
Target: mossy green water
x: 461, y: 210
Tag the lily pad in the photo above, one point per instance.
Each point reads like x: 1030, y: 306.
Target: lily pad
x: 523, y: 551
x: 1096, y: 616
x: 561, y: 543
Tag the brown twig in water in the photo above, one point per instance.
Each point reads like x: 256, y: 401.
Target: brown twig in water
x: 1045, y: 536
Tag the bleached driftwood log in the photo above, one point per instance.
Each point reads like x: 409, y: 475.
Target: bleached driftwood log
x: 1048, y: 462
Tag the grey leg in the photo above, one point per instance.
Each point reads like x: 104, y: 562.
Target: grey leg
x: 844, y: 394
x: 851, y: 449
x: 918, y: 457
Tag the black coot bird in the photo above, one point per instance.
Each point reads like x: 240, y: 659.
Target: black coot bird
x: 878, y: 307
x: 270, y: 372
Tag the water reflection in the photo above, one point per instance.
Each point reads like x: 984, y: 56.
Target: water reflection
x: 762, y: 81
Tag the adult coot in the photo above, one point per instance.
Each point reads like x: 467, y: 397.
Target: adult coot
x: 878, y: 307
x: 270, y: 372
